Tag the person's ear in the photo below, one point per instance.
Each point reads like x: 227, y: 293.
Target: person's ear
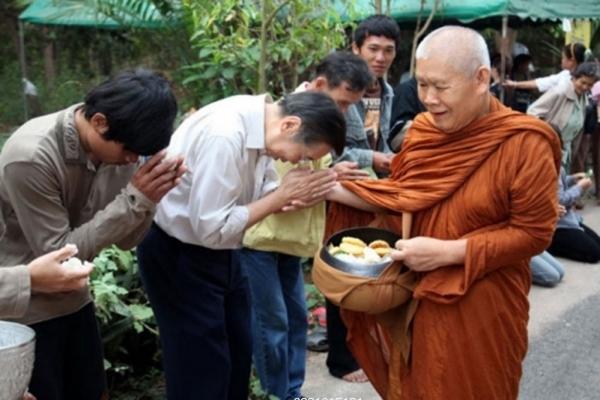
x: 482, y: 78
x: 355, y: 48
x: 320, y: 83
x: 99, y: 123
x: 290, y: 124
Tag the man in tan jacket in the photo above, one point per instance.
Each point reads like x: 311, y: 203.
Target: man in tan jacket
x: 72, y: 177
x: 45, y: 274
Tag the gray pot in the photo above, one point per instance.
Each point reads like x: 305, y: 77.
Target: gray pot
x: 17, y: 349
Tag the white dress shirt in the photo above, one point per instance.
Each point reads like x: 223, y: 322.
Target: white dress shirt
x: 224, y: 149
x: 547, y: 82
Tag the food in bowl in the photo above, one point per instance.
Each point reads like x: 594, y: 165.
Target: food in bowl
x: 356, y: 251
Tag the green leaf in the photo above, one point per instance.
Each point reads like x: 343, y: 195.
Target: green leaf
x: 140, y: 312
x: 228, y: 73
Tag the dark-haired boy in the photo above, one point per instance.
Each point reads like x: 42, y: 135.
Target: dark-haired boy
x: 71, y: 177
x: 189, y: 260
x: 375, y: 41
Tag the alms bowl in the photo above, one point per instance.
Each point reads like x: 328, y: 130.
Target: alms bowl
x: 367, y: 235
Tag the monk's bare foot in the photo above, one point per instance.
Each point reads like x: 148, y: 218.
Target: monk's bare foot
x: 357, y: 376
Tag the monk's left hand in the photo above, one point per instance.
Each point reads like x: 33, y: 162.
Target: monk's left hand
x: 426, y: 253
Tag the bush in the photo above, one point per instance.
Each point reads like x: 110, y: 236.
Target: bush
x: 129, y: 331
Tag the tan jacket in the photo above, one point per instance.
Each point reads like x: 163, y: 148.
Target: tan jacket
x: 51, y: 194
x: 14, y: 291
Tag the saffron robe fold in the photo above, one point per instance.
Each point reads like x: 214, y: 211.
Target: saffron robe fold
x: 495, y: 183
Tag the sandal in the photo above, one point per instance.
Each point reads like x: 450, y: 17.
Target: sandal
x: 317, y: 340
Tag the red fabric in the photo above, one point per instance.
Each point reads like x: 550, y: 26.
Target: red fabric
x: 494, y: 183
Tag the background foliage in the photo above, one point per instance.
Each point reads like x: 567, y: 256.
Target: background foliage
x: 217, y: 48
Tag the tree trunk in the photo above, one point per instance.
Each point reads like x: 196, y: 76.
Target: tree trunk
x: 377, y: 6
x: 420, y: 32
x: 262, y: 61
x: 49, y: 65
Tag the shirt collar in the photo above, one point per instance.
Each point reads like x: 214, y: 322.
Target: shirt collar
x: 254, y: 120
x: 73, y: 151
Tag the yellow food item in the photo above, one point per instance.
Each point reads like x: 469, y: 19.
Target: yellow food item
x: 353, y: 241
x: 379, y: 244
x: 382, y: 251
x: 352, y: 248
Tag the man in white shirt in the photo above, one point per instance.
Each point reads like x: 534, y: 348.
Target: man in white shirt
x: 189, y: 260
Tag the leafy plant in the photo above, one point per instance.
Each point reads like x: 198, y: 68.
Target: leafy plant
x: 129, y: 332
x: 231, y: 39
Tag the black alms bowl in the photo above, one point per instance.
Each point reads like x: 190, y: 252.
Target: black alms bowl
x: 367, y: 235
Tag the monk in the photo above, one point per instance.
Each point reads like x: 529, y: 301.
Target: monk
x: 480, y: 182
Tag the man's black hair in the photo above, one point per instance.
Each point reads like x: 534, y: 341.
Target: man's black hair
x: 322, y: 120
x: 140, y: 109
x: 588, y: 69
x: 344, y: 66
x: 377, y: 25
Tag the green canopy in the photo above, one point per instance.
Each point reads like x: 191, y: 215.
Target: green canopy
x: 140, y: 14
x: 469, y: 10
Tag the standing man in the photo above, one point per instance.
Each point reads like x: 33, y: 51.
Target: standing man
x: 480, y: 180
x: 71, y: 177
x: 375, y: 41
x: 272, y: 252
x: 189, y: 260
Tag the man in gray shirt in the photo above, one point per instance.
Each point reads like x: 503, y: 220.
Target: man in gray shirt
x: 71, y: 177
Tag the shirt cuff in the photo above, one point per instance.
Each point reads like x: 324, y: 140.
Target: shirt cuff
x: 233, y: 231
x: 268, y: 188
x: 22, y: 281
x: 138, y: 200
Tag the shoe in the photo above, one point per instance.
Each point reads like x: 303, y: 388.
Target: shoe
x: 317, y: 340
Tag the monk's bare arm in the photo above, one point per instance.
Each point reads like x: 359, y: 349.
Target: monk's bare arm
x: 342, y: 195
x: 426, y: 253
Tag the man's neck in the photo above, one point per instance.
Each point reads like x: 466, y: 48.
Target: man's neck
x: 84, y: 129
x: 272, y: 116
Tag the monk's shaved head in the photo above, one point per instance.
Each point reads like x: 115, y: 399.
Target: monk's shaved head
x: 461, y: 48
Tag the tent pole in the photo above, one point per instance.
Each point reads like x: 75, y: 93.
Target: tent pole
x: 503, y: 50
x: 23, y: 66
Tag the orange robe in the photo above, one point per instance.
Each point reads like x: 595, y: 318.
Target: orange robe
x: 495, y: 183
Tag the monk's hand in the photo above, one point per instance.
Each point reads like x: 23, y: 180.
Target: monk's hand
x: 348, y: 170
x: 426, y: 253
x: 382, y: 161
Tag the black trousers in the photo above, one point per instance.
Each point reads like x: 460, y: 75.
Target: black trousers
x: 340, y: 360
x: 201, y: 302
x: 68, y: 358
x: 579, y: 245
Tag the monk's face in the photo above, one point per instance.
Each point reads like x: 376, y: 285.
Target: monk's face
x: 454, y: 98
